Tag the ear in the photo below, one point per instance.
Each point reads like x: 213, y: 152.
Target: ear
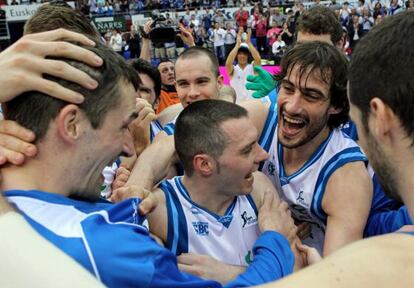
x: 70, y: 122
x: 382, y: 119
x: 220, y: 81
x: 204, y: 164
x: 334, y: 110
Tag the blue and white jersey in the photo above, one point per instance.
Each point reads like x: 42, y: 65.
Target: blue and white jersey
x: 169, y: 128
x: 155, y: 128
x: 304, y: 189
x: 194, y: 229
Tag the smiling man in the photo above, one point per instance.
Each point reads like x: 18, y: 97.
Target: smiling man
x: 318, y: 169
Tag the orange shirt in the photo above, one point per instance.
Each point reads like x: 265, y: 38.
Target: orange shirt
x: 167, y: 98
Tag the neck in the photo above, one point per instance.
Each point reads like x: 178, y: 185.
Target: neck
x: 36, y: 174
x: 403, y: 166
x: 203, y: 193
x: 295, y: 158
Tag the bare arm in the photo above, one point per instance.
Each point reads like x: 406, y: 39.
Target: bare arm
x: 147, y: 172
x: 370, y: 263
x: 347, y: 202
x: 145, y: 49
x: 232, y: 55
x: 255, y: 54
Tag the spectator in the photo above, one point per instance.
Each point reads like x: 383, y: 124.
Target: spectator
x: 275, y: 16
x: 272, y: 33
x: 229, y: 39
x: 366, y: 20
x: 218, y: 40
x: 344, y: 14
x: 355, y: 31
x: 219, y: 17
x: 134, y: 43
x: 278, y: 48
x: 261, y: 27
x: 115, y: 42
x: 241, y: 17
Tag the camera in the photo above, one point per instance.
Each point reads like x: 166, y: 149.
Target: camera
x: 161, y: 31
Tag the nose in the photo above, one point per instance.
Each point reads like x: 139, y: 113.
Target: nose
x: 261, y: 155
x: 194, y: 93
x: 293, y: 104
x: 128, y: 147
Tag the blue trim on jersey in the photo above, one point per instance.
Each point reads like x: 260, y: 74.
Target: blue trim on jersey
x: 251, y: 201
x: 118, y: 162
x: 225, y: 219
x: 269, y: 128
x: 155, y: 127
x: 315, y: 156
x: 344, y: 157
x: 177, y: 236
x: 169, y: 128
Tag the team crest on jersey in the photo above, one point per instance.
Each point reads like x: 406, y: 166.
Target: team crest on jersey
x: 248, y: 220
x: 201, y: 228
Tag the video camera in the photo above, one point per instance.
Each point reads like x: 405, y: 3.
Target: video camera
x: 161, y: 31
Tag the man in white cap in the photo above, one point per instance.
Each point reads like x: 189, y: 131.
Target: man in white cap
x: 238, y: 73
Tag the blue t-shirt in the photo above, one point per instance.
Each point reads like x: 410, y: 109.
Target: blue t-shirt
x: 110, y: 242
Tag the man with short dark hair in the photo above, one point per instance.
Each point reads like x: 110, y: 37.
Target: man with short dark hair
x: 168, y: 95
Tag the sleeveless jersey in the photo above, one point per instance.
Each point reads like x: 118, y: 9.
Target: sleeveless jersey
x: 192, y: 228
x: 238, y: 82
x: 304, y: 189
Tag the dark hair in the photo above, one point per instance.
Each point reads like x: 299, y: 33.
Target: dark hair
x: 332, y: 65
x: 50, y: 16
x: 320, y: 20
x: 196, y: 51
x: 34, y: 110
x: 164, y: 60
x: 144, y: 67
x: 387, y: 51
x: 197, y: 130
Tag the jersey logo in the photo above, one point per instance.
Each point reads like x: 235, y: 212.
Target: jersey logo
x: 300, y: 199
x: 248, y: 258
x: 247, y: 220
x: 195, y: 210
x: 271, y: 169
x: 201, y: 228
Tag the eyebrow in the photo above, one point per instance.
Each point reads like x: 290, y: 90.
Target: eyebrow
x: 246, y: 147
x: 306, y: 90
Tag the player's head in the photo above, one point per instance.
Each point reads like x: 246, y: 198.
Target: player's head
x: 166, y: 69
x: 312, y: 97
x: 319, y: 23
x: 384, y: 94
x: 83, y: 138
x: 197, y: 75
x: 50, y: 17
x: 243, y: 54
x: 215, y: 138
x: 150, y: 88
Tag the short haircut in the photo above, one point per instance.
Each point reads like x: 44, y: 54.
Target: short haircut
x: 332, y: 65
x: 197, y: 130
x: 197, y: 51
x: 164, y: 60
x: 144, y: 67
x: 320, y: 20
x: 383, y: 66
x: 35, y: 110
x: 50, y: 16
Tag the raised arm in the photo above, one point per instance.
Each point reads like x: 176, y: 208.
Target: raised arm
x: 255, y: 54
x: 146, y: 42
x: 233, y: 53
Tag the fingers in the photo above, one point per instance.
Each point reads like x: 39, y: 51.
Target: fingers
x: 53, y: 89
x: 66, y: 71
x: 253, y: 79
x: 149, y: 202
x: 14, y: 129
x: 257, y: 94
x: 61, y: 34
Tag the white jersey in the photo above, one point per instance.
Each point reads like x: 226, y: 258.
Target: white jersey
x: 194, y: 229
x: 304, y: 189
x: 238, y: 82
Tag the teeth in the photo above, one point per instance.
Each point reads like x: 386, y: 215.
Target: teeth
x: 293, y: 121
